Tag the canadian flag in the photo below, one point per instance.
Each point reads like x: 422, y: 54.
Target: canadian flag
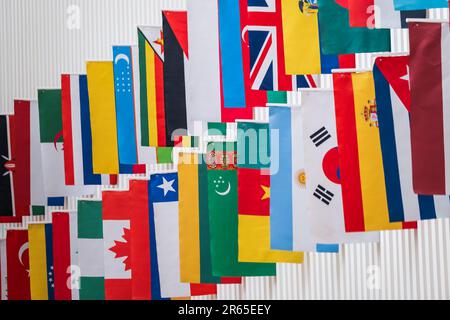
x: 430, y: 106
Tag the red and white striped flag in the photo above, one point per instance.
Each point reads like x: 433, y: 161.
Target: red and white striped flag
x: 430, y: 106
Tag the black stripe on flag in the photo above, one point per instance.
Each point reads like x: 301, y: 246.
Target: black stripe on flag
x: 6, y: 194
x: 320, y: 136
x: 323, y: 195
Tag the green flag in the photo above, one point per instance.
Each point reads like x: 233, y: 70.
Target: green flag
x: 337, y: 37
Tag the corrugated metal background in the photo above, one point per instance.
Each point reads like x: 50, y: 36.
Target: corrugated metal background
x: 41, y: 39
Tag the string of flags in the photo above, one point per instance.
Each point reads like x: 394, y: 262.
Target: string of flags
x: 225, y: 176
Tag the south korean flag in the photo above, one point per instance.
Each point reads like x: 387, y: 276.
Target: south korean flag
x: 324, y: 211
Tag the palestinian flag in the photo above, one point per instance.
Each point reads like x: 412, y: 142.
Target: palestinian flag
x: 151, y: 70
x: 7, y: 168
x: 175, y: 66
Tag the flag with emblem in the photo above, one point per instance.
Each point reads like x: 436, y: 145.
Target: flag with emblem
x: 253, y: 152
x: 164, y: 198
x: 3, y: 271
x: 64, y: 229
x: 323, y: 227
x: 7, y: 168
x: 77, y: 134
x: 151, y: 72
x: 52, y: 148
x: 124, y: 94
x: 223, y: 215
x: 430, y: 106
x: 105, y: 154
x: 117, y: 243
x: 391, y: 74
x: 361, y: 165
x: 91, y: 250
x: 303, y: 57
x: 17, y: 264
x: 419, y: 4
x: 287, y: 180
x: 195, y: 236
x: 386, y: 17
x: 338, y: 37
x: 29, y: 190
x: 176, y: 57
x: 42, y: 285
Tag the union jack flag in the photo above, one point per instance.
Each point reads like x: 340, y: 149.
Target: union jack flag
x: 265, y: 41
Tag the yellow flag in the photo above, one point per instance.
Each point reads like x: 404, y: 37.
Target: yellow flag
x: 301, y: 38
x: 38, y: 262
x: 105, y: 154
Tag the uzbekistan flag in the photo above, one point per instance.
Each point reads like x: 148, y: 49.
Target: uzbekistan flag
x: 430, y: 106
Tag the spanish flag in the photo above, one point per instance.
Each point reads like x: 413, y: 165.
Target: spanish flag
x: 41, y: 261
x: 361, y: 166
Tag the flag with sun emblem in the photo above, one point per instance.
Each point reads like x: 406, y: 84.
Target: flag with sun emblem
x: 323, y: 221
x: 42, y: 285
x: 7, y: 167
x: 164, y: 198
x: 116, y: 238
x: 253, y: 145
x: 18, y: 265
x: 288, y: 178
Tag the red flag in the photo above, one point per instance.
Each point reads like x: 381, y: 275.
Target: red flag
x: 140, y: 241
x: 18, y: 265
x: 362, y: 13
x: 254, y: 192
x: 61, y: 257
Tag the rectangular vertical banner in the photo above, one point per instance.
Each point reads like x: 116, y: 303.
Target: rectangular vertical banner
x: 7, y: 208
x: 18, y: 265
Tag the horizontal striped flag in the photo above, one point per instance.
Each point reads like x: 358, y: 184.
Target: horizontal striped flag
x: 391, y: 74
x: 419, y: 4
x: 429, y: 69
x: 387, y: 17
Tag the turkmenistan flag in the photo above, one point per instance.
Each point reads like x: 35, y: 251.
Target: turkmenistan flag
x: 337, y: 37
x: 223, y: 215
x: 41, y: 261
x: 52, y: 148
x: 90, y: 250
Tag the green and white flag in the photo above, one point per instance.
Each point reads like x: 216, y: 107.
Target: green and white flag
x: 91, y: 250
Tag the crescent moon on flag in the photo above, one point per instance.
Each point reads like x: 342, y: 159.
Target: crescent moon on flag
x: 122, y: 57
x: 244, y: 31
x: 22, y: 250
x: 223, y: 194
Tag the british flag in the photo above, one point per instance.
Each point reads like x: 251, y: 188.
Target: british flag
x: 265, y: 41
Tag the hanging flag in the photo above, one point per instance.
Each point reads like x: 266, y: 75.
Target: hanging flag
x: 77, y: 134
x: 391, y: 74
x: 52, y: 149
x: 151, y: 63
x: 91, y: 250
x: 430, y: 107
x: 224, y: 217
x: 337, y: 37
x: 117, y: 244
x: 287, y: 180
x: 361, y: 13
x: 322, y: 225
x: 124, y: 93
x: 7, y: 168
x: 164, y: 197
x: 303, y: 57
x: 419, y: 4
x: 29, y: 189
x: 3, y: 271
x: 386, y: 17
x: 64, y: 260
x: 176, y: 56
x: 105, y: 154
x: 18, y: 266
x: 41, y: 262
x: 140, y: 240
x: 253, y: 162
x: 204, y: 68
x: 361, y: 164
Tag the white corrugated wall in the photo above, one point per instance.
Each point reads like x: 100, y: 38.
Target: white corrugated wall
x: 40, y: 39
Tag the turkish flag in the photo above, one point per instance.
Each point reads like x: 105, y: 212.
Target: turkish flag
x: 18, y: 265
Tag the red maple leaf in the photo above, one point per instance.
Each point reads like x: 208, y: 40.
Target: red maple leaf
x: 122, y: 248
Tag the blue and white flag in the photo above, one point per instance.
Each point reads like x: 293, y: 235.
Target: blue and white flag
x: 419, y: 4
